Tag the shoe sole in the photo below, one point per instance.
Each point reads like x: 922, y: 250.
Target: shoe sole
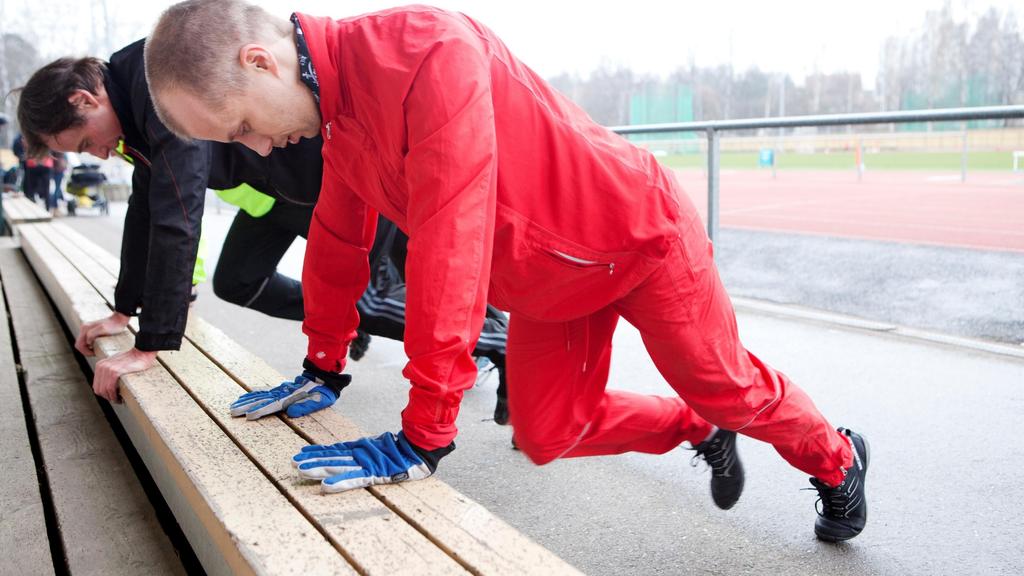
x: 842, y: 533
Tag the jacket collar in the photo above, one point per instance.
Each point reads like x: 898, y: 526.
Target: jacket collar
x: 322, y: 42
x: 307, y: 73
x: 122, y: 105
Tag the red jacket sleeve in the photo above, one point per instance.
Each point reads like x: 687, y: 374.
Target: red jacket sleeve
x: 451, y: 170
x: 335, y: 271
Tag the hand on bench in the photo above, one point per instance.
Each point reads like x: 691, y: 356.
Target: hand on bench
x: 386, y: 459
x: 90, y: 331
x: 109, y: 370
x: 313, y: 390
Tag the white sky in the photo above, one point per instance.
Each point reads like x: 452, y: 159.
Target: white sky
x: 651, y: 36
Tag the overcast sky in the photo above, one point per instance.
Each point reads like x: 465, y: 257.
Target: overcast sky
x: 651, y: 36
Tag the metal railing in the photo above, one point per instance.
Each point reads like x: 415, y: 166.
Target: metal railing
x: 713, y: 127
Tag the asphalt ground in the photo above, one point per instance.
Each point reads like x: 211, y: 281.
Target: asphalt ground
x: 960, y: 291
x: 943, y: 475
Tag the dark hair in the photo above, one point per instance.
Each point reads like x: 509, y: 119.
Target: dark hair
x: 43, y: 106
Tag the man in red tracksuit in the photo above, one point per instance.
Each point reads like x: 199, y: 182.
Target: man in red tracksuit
x: 509, y: 194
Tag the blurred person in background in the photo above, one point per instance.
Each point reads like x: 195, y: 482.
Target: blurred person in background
x: 18, y: 149
x: 60, y: 168
x: 38, y: 173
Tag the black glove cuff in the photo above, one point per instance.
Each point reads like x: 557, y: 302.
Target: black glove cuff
x: 432, y: 457
x: 336, y: 382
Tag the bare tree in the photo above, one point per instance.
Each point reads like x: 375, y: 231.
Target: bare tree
x: 606, y: 94
x: 18, y: 59
x: 944, y: 62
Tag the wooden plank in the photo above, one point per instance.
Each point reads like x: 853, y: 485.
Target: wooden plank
x: 21, y: 210
x: 93, y: 486
x: 48, y: 338
x: 11, y: 207
x: 33, y: 211
x: 235, y: 519
x: 354, y: 522
x: 75, y: 308
x: 83, y: 255
x: 24, y: 545
x: 105, y: 259
x: 309, y: 554
x: 370, y: 534
x: 466, y: 530
x: 11, y: 213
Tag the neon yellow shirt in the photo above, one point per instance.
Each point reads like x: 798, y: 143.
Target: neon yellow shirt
x: 247, y: 198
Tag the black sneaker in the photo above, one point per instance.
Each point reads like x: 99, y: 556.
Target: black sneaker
x: 359, y: 345
x: 501, y: 407
x: 844, y: 511
x: 726, y: 469
x: 501, y: 412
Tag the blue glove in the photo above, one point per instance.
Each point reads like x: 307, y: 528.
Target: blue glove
x: 313, y: 390
x: 386, y: 459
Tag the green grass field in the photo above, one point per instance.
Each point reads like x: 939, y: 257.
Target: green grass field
x: 938, y: 161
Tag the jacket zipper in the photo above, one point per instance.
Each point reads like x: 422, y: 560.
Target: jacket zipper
x: 286, y: 197
x: 581, y: 261
x: 136, y: 154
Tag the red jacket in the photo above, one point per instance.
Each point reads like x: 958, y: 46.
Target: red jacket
x: 507, y: 190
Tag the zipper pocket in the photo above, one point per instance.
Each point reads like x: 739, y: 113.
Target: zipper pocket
x: 580, y: 261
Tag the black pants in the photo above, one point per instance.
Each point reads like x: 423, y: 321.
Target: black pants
x: 246, y: 271
x: 37, y: 183
x: 53, y: 199
x: 382, y: 306
x: 247, y: 275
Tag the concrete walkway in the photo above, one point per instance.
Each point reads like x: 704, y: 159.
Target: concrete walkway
x: 943, y: 487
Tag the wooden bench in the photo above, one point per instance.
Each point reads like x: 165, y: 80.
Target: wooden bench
x: 22, y: 525
x: 101, y: 521
x: 18, y: 209
x: 229, y: 482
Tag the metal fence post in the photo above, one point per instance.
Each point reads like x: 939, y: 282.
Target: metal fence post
x: 963, y: 157
x: 712, y: 184
x: 860, y: 160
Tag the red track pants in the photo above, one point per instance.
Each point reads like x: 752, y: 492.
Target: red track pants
x: 558, y: 372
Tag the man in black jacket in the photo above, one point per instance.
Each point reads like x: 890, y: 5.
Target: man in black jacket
x: 86, y: 105
x: 109, y: 103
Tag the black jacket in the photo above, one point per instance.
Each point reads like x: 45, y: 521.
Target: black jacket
x: 165, y: 210
x: 291, y: 174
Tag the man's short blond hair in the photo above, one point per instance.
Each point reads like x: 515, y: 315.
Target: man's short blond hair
x: 194, y: 47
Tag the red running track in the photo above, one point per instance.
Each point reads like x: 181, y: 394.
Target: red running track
x: 986, y: 212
